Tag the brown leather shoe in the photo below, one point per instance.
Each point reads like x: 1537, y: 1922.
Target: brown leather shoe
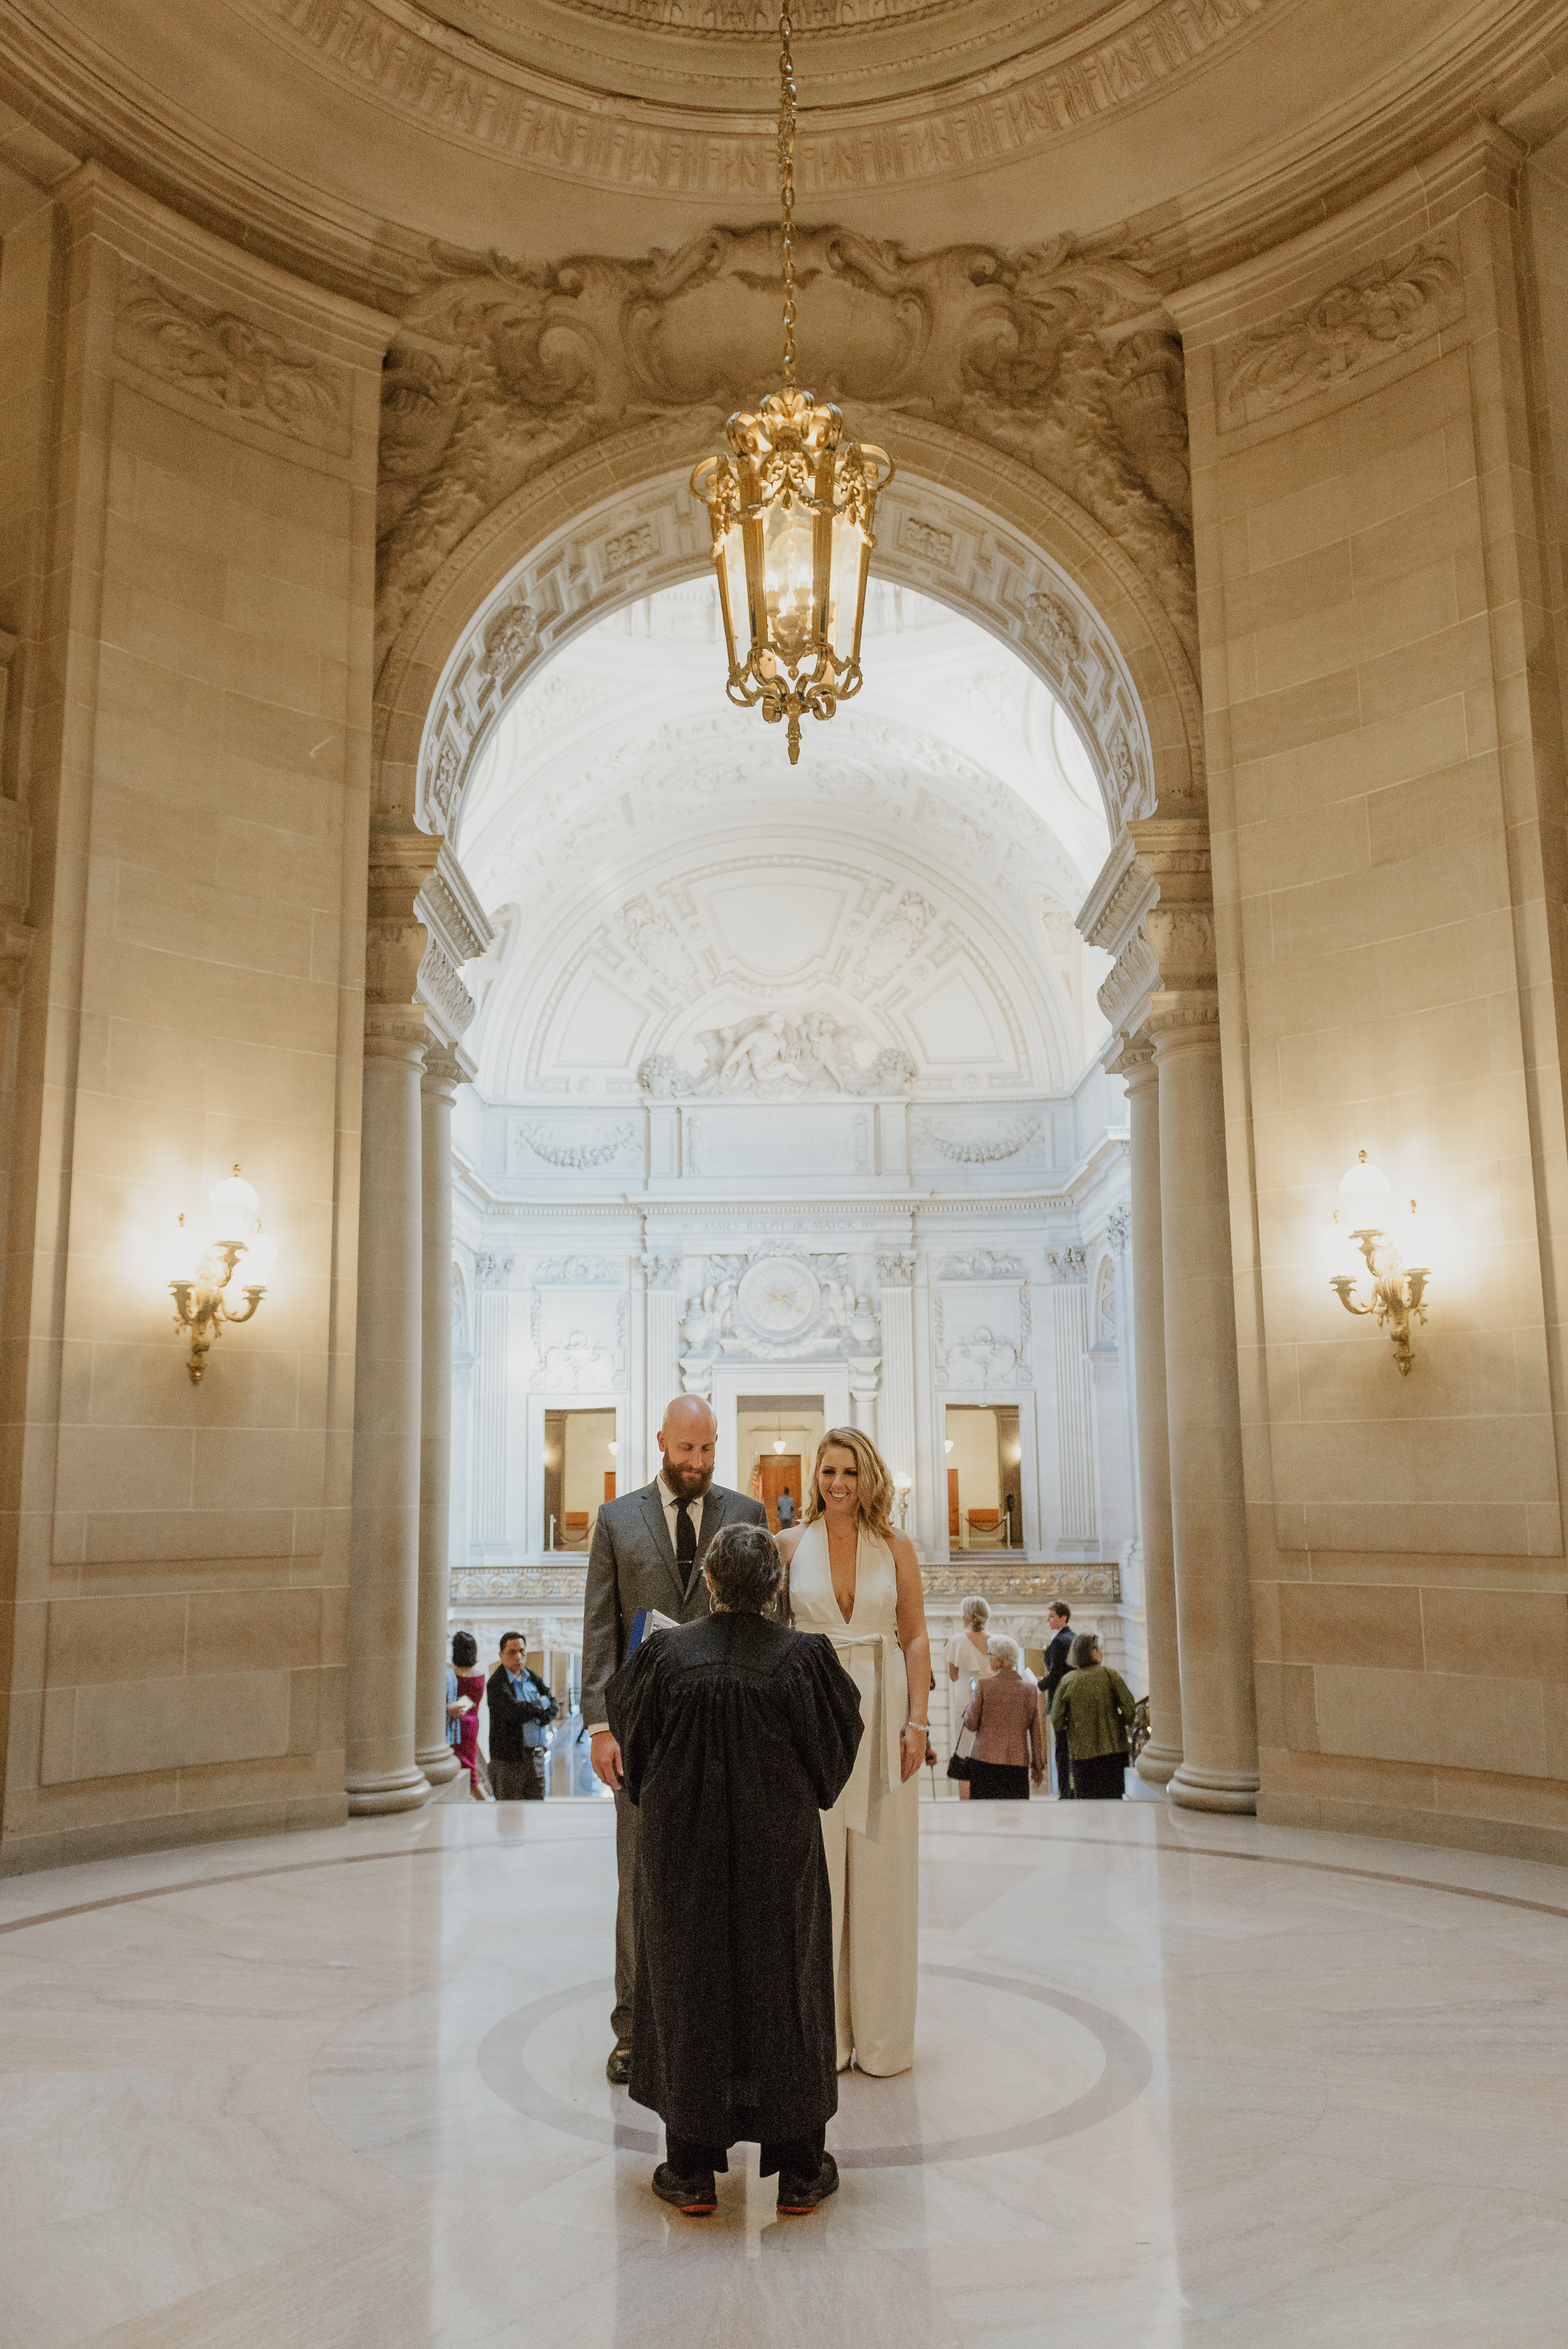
x: 618, y: 2070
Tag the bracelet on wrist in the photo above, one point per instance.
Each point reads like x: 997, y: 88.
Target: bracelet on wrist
x: 917, y: 1724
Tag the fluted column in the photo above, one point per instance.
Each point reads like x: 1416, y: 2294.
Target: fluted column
x: 896, y: 1438
x: 663, y: 1382
x: 491, y: 1315
x: 1160, y: 1756
x: 438, y: 1088
x: 380, y: 1771
x: 1219, y: 1767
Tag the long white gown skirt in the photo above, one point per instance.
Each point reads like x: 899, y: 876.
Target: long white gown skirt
x: 871, y: 1834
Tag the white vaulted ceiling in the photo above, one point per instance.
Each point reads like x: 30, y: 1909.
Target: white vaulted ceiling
x: 656, y: 867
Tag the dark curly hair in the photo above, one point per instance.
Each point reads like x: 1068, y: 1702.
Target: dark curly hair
x: 464, y: 1650
x: 744, y: 1568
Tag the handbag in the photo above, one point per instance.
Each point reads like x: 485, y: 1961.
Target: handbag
x: 958, y: 1767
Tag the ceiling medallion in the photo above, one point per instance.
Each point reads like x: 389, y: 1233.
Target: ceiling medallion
x: 792, y: 509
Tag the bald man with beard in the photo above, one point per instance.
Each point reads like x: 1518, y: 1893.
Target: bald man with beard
x: 646, y: 1552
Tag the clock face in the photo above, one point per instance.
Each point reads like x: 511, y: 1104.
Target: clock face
x: 778, y: 1298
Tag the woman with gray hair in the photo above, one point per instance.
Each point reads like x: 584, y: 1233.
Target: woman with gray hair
x: 1004, y: 1714
x: 735, y: 1735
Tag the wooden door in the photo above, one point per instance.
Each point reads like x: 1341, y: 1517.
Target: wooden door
x: 781, y: 1471
x: 609, y: 1484
x: 953, y: 1505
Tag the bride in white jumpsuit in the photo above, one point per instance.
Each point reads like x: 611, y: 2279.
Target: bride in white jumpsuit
x: 852, y: 1576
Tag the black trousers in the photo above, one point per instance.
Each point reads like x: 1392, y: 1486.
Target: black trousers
x: 518, y: 1782
x: 797, y: 2157
x: 998, y: 1782
x: 1101, y: 1779
x: 1064, y: 1768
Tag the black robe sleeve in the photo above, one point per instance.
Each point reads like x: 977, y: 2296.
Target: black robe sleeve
x: 635, y: 1708
x: 826, y: 1706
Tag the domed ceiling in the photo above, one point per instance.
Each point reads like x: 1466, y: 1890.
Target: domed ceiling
x: 659, y: 874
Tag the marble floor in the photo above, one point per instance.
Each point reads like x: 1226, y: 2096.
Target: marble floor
x: 1184, y: 2083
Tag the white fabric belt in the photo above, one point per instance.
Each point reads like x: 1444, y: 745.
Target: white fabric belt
x: 867, y: 1657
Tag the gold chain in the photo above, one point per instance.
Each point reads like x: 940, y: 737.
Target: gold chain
x: 786, y: 182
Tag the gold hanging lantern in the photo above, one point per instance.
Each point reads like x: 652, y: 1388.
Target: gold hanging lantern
x: 791, y: 508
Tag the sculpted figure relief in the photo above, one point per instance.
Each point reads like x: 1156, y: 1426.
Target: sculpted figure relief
x: 1065, y: 358
x: 780, y: 1060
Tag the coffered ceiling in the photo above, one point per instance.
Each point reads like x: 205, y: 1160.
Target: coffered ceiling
x: 657, y: 870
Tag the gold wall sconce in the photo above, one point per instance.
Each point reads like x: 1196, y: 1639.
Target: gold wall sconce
x: 1395, y: 1248
x: 903, y: 1485
x: 223, y: 1278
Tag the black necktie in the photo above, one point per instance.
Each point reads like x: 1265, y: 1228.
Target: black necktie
x: 685, y: 1541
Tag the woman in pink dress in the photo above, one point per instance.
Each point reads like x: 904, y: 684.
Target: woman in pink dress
x: 470, y: 1683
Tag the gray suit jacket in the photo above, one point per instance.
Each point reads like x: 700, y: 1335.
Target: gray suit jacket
x: 632, y: 1564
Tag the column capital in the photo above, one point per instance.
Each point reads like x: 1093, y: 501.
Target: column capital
x: 395, y: 1032
x: 1131, y: 1056
x: 446, y: 1068
x: 1183, y: 1018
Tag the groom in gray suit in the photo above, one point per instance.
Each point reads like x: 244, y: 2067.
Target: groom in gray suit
x: 645, y: 1553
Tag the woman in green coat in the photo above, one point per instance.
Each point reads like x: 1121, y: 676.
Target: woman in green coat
x: 1094, y: 1706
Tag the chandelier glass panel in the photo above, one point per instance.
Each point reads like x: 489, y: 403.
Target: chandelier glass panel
x: 792, y: 505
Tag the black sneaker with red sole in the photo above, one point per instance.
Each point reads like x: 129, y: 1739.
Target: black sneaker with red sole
x: 695, y: 2198
x: 798, y: 2197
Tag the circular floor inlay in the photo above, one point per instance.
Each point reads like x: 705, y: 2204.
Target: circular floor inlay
x: 1125, y: 2069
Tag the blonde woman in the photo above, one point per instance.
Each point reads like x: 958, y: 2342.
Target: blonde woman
x: 851, y: 1576
x: 968, y: 1658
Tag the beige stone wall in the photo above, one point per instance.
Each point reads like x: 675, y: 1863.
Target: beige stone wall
x: 186, y: 559
x: 1380, y: 606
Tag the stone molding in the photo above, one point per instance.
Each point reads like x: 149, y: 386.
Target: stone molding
x: 396, y: 938
x: 227, y: 358
x: 1063, y: 357
x: 981, y: 1264
x: 1152, y: 908
x: 1364, y: 320
x: 1036, y: 1585
x: 1069, y: 1263
x: 395, y: 53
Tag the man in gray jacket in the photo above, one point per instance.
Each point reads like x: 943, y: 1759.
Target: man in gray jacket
x: 646, y: 1552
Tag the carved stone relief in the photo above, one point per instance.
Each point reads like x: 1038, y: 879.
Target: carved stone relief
x: 778, y: 1302
x: 1069, y: 1263
x: 982, y: 1336
x: 1119, y: 1229
x: 983, y: 1264
x: 579, y: 1271
x: 969, y: 1145
x: 224, y: 359
x: 1063, y: 357
x: 580, y: 1153
x: 1354, y: 324
x: 663, y: 1271
x: 772, y: 1058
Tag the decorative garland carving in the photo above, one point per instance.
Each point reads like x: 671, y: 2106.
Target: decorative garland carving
x: 970, y: 1150
x: 578, y: 1156
x: 1354, y: 324
x: 222, y: 357
x: 1065, y: 358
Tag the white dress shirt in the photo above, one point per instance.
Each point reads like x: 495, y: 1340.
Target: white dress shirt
x: 671, y: 1503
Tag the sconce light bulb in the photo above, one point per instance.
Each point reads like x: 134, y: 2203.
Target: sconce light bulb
x: 1416, y: 1240
x: 254, y: 1268
x: 612, y: 1445
x: 778, y: 1443
x: 235, y: 1207
x: 1364, y: 1190
x: 180, y: 1249
x: 947, y: 1445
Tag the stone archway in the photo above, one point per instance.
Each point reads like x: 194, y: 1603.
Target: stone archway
x: 970, y: 527
x: 540, y: 426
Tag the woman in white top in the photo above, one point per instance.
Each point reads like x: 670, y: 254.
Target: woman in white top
x: 851, y: 1576
x: 968, y: 1658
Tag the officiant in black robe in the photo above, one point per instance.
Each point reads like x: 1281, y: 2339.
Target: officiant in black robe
x: 736, y: 1734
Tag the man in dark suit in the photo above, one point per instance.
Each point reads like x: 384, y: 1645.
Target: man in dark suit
x: 646, y: 1552
x: 520, y: 1711
x: 1059, y: 1648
